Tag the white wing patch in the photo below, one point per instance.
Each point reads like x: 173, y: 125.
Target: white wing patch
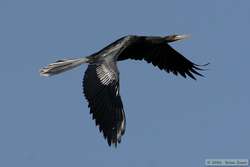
x: 105, y: 74
x: 121, y: 129
x: 116, y: 90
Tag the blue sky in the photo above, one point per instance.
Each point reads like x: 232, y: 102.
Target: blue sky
x: 171, y: 121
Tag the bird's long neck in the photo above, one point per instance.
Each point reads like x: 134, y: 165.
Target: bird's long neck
x: 113, y: 50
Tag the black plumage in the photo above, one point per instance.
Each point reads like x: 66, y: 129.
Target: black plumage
x: 101, y: 79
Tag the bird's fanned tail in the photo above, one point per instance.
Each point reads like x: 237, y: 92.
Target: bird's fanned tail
x: 62, y: 66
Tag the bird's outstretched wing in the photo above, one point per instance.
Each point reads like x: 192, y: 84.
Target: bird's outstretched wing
x: 101, y: 89
x: 162, y: 55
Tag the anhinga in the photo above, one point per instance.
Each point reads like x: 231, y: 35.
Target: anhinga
x: 101, y: 79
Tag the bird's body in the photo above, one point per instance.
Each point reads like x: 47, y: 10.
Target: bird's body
x: 101, y: 79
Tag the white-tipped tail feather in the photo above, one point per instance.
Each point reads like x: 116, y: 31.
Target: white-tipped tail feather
x: 62, y: 66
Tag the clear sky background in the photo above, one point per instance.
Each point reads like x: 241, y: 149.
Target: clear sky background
x: 171, y: 121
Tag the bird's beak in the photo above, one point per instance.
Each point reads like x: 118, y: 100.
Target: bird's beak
x: 173, y: 38
x: 181, y: 37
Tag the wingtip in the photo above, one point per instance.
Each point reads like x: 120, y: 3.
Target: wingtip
x: 113, y: 142
x: 198, y: 67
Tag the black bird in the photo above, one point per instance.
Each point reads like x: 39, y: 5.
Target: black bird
x: 101, y: 79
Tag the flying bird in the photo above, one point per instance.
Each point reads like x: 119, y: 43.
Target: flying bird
x: 101, y: 79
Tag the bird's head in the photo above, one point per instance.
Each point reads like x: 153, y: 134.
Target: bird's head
x: 172, y: 38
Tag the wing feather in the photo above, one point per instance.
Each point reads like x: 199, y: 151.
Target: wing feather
x: 101, y: 89
x: 162, y: 55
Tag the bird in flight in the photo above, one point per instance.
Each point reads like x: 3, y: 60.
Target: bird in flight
x: 101, y: 79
